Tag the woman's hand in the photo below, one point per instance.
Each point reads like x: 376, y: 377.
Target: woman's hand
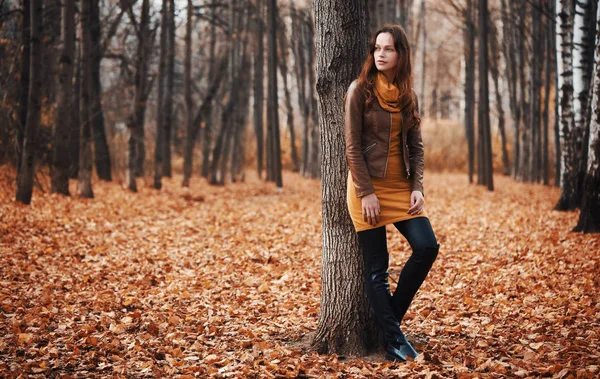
x: 370, y: 209
x: 417, y: 203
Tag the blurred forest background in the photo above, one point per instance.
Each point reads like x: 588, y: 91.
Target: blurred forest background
x: 121, y: 90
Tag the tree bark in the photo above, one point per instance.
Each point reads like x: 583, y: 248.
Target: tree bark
x: 283, y: 69
x: 484, y: 107
x: 273, y: 107
x: 160, y: 110
x: 345, y: 326
x: 24, y: 81
x: 207, y: 133
x: 187, y: 94
x: 168, y: 127
x: 75, y: 117
x: 259, y: 62
x: 568, y: 169
x: 494, y: 62
x: 85, y: 149
x: 534, y: 163
x: 136, y: 149
x: 27, y: 168
x: 101, y: 150
x: 470, y: 87
x: 62, y: 121
x: 314, y: 149
x: 589, y: 218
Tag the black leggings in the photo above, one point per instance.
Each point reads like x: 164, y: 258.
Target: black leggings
x: 389, y: 310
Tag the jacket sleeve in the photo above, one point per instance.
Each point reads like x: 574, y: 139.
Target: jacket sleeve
x: 416, y: 154
x: 353, y: 125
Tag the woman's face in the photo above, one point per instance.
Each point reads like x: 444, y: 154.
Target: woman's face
x: 385, y: 54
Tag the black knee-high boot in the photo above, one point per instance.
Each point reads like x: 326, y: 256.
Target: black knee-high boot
x: 411, y: 278
x: 378, y: 290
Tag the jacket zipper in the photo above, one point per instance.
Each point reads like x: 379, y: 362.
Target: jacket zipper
x: 369, y: 147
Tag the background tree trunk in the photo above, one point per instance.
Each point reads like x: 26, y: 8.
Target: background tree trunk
x: 283, y: 69
x: 314, y: 149
x: 345, y: 326
x: 168, y: 126
x: 136, y: 150
x: 24, y: 81
x: 160, y: 110
x: 568, y: 168
x: 75, y: 119
x: 101, y: 151
x: 207, y: 133
x: 495, y: 71
x: 273, y: 107
x: 85, y: 149
x: 589, y: 218
x: 470, y: 86
x: 62, y: 121
x: 27, y: 170
x: 190, y: 135
x: 259, y: 62
x: 484, y: 107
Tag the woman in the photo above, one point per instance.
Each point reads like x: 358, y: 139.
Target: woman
x: 385, y: 183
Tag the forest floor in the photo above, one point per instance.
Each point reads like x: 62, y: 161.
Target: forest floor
x: 225, y: 282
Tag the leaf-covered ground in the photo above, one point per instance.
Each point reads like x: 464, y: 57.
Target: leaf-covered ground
x: 225, y: 282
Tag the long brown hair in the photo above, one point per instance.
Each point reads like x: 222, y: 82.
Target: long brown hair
x: 402, y: 77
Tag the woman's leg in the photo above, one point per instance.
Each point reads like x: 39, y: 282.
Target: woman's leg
x: 420, y: 236
x: 376, y: 259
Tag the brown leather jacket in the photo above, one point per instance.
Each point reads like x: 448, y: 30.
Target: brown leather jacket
x: 368, y: 133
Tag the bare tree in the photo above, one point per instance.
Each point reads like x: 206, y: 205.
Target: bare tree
x: 85, y: 147
x: 273, y: 145
x: 160, y: 108
x: 283, y: 69
x: 136, y: 150
x: 568, y: 169
x: 344, y: 323
x: 62, y: 122
x: 27, y: 168
x: 589, y: 218
x: 485, y: 141
x: 259, y: 59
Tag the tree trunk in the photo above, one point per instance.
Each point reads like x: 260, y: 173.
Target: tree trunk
x: 62, y: 121
x: 24, y: 81
x: 534, y: 174
x: 85, y: 149
x: 283, y: 69
x: 524, y: 145
x: 557, y: 152
x: 136, y: 148
x: 345, y: 325
x: 470, y: 87
x: 208, y: 119
x: 494, y: 62
x: 568, y: 168
x: 298, y: 47
x: 583, y: 62
x: 484, y: 107
x: 549, y: 35
x: 27, y: 170
x: 187, y: 94
x: 101, y: 150
x: 168, y: 128
x: 160, y: 111
x: 75, y: 116
x: 273, y: 107
x: 589, y: 218
x: 314, y: 149
x: 259, y: 61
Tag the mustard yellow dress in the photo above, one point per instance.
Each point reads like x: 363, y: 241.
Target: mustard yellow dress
x: 393, y: 191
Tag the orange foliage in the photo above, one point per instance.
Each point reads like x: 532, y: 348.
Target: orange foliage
x: 225, y: 282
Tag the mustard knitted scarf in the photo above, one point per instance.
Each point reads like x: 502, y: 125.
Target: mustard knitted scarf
x: 387, y: 94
